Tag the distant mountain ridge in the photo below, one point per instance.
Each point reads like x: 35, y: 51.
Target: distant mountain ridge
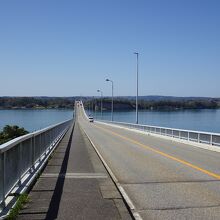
x: 167, y: 98
x: 120, y: 102
x: 145, y: 98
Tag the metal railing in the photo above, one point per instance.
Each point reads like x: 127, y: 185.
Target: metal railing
x: 188, y: 135
x: 19, y: 156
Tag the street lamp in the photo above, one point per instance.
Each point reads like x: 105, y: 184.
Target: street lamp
x: 137, y: 54
x: 101, y: 100
x: 108, y: 80
x: 93, y: 101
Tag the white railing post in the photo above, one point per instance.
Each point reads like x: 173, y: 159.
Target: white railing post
x: 32, y: 153
x: 2, y: 204
x: 20, y: 163
x: 40, y: 137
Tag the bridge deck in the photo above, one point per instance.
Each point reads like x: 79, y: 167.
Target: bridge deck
x: 86, y: 192
x: 162, y: 178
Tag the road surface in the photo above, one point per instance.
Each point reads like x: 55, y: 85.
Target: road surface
x: 163, y: 179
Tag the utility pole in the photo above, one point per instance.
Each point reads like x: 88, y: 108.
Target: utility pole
x: 137, y: 54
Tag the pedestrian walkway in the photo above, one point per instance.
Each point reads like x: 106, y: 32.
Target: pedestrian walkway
x: 74, y: 185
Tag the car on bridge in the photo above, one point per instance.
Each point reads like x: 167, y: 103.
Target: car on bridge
x: 91, y: 119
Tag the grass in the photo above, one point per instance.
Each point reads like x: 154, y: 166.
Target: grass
x: 21, y: 201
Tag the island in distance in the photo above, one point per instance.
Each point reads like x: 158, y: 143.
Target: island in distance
x: 120, y: 102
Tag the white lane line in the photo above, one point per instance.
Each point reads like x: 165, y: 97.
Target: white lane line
x: 137, y: 216
x: 125, y: 196
x: 74, y: 175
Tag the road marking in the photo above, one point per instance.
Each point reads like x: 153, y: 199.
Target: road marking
x: 126, y: 197
x: 74, y: 175
x: 217, y: 176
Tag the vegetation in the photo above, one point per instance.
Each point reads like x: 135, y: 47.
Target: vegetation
x: 11, y: 132
x: 120, y: 103
x: 36, y: 102
x: 22, y: 200
x: 130, y: 104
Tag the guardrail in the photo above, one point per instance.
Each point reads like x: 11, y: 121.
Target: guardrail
x: 209, y: 138
x: 194, y: 136
x: 19, y: 156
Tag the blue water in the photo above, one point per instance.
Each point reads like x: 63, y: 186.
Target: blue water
x: 33, y: 120
x: 200, y: 120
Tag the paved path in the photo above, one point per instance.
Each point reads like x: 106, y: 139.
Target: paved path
x: 75, y: 185
x: 162, y: 178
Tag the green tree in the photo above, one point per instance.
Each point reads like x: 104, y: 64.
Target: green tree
x: 11, y: 132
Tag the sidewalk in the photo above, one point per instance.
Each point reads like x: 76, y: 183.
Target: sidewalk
x: 74, y: 185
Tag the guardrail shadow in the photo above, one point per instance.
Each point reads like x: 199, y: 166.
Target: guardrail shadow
x: 56, y: 198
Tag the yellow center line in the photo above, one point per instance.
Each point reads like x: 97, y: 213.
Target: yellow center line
x: 217, y: 176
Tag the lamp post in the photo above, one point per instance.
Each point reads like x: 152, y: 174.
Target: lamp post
x: 93, y: 106
x: 101, y: 100
x: 108, y: 80
x: 89, y: 108
x: 137, y: 54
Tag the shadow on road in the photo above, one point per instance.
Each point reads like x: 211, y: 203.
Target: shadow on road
x: 55, y: 201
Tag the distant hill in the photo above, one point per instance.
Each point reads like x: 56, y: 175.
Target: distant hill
x: 155, y: 103
x: 166, y: 98
x: 147, y: 97
x: 120, y: 102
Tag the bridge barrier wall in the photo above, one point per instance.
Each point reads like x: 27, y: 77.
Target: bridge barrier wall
x: 19, y: 156
x: 199, y: 137
x: 209, y: 138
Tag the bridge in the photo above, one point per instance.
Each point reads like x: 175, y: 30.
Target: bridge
x: 112, y: 170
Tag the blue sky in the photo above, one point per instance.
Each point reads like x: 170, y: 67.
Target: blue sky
x: 68, y: 47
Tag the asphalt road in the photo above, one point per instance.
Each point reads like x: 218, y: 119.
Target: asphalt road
x: 162, y: 178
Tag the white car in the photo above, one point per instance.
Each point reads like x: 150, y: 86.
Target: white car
x: 91, y: 119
